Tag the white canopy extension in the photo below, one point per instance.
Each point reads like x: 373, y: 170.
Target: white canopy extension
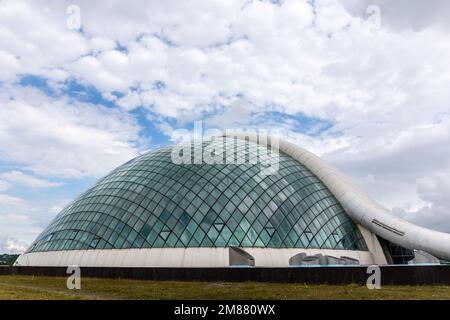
x: 359, y: 206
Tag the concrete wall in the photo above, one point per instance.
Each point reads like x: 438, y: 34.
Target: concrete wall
x: 175, y: 257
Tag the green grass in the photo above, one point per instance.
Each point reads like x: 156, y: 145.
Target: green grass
x: 28, y: 287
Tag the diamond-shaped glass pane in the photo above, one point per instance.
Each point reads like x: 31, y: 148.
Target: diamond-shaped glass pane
x: 151, y: 202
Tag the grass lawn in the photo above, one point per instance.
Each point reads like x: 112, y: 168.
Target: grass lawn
x: 28, y: 287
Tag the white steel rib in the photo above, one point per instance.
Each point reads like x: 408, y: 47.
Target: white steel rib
x: 359, y: 206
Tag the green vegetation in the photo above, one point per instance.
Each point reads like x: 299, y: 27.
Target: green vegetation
x: 28, y: 287
x: 8, y: 259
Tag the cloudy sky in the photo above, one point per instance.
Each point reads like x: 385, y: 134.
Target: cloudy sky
x: 363, y: 83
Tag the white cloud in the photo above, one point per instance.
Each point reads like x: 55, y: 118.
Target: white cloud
x: 321, y: 61
x: 59, y: 138
x: 385, y: 91
x: 405, y: 14
x: 17, y: 227
x: 36, y: 37
x: 434, y: 191
x: 12, y: 245
x: 10, y: 201
x: 55, y: 209
x: 4, y: 185
x: 27, y: 180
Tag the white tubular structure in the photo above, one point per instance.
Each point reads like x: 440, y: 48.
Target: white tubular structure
x: 359, y: 206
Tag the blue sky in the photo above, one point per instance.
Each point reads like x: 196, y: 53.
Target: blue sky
x: 366, y: 91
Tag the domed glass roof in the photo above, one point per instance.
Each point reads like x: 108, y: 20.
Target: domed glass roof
x: 151, y: 202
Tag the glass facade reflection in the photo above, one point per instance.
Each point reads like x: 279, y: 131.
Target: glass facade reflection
x: 150, y: 202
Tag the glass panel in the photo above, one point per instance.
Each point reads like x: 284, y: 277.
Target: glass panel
x: 150, y: 202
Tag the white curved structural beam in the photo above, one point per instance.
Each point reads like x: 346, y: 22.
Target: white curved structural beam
x: 359, y: 206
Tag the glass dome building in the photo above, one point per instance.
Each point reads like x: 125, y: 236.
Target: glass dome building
x: 156, y: 211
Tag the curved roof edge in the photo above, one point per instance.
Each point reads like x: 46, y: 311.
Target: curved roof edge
x: 359, y: 206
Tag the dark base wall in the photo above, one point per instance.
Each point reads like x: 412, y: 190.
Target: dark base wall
x: 396, y: 275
